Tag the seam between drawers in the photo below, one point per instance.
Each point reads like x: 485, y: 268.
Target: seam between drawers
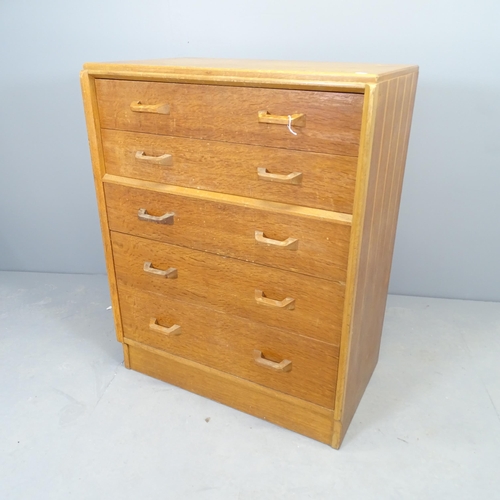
x: 231, y: 199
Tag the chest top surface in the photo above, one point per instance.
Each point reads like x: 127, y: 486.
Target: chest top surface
x: 295, y: 71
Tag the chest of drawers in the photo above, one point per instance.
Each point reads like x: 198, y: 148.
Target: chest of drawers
x: 248, y: 212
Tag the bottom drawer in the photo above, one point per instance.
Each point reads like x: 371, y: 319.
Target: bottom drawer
x: 295, y: 414
x: 292, y: 364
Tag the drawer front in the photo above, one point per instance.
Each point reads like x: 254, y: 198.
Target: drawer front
x: 227, y: 343
x: 307, y: 306
x: 295, y: 177
x: 292, y: 413
x: 326, y: 122
x: 316, y: 247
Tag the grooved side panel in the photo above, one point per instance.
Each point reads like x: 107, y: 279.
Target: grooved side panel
x: 385, y: 175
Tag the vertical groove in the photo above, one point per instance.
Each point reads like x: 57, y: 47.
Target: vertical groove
x: 380, y: 222
x: 411, y: 81
x: 397, y: 177
x: 386, y: 227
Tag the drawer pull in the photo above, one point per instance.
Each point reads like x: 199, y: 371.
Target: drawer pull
x: 289, y: 243
x: 159, y: 109
x: 166, y: 159
x: 167, y: 218
x: 287, y: 303
x: 155, y: 327
x: 170, y: 273
x: 283, y: 366
x: 296, y: 120
x: 293, y: 178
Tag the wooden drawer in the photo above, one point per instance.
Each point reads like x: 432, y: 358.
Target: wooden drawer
x: 332, y: 120
x: 324, y: 181
x: 227, y: 343
x: 232, y: 286
x: 293, y: 413
x: 230, y: 229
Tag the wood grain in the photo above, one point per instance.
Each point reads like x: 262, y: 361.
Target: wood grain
x: 229, y: 230
x: 230, y: 114
x: 230, y: 199
x: 226, y: 343
x: 98, y: 169
x: 307, y: 374
x: 126, y: 356
x: 327, y: 181
x: 381, y: 172
x: 292, y: 413
x: 229, y: 285
x: 247, y: 72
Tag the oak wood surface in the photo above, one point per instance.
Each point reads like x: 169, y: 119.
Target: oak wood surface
x: 327, y: 181
x: 292, y: 413
x: 229, y: 230
x: 248, y: 72
x: 158, y: 108
x: 231, y: 114
x: 380, y: 177
x: 227, y: 342
x: 229, y: 285
x: 351, y: 113
x: 230, y: 199
x: 126, y: 355
x: 98, y: 169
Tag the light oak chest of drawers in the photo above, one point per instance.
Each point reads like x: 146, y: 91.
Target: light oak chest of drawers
x: 248, y: 212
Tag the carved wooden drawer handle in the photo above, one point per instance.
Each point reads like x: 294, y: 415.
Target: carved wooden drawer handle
x: 284, y: 366
x: 155, y: 327
x: 297, y: 119
x: 287, y: 303
x: 289, y: 243
x: 171, y: 272
x: 165, y: 159
x: 159, y: 109
x: 293, y: 178
x: 167, y: 218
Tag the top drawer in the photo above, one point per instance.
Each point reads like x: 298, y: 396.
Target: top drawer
x: 331, y: 121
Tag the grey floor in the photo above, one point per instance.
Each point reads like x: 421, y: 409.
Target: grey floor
x: 74, y: 423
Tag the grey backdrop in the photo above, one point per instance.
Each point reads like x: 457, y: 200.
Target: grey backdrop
x: 448, y: 240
